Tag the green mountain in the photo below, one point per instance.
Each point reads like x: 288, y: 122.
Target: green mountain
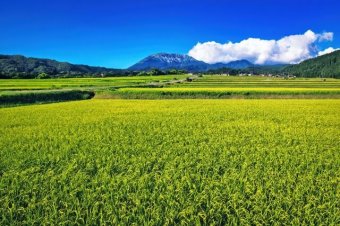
x: 17, y: 66
x: 323, y: 66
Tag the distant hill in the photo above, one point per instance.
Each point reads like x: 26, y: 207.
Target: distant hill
x: 167, y: 61
x: 323, y: 66
x: 27, y: 67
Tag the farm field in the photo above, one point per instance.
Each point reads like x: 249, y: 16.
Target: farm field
x: 155, y: 162
x: 15, y: 92
x: 152, y: 113
x: 81, y: 83
x: 216, y: 81
x: 221, y: 93
x: 207, y: 81
x: 222, y: 87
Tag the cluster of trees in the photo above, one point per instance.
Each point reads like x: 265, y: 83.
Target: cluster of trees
x: 224, y: 70
x: 155, y: 71
x: 254, y: 70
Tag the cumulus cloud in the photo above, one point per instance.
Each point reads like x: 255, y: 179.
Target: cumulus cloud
x: 326, y: 51
x: 289, y: 49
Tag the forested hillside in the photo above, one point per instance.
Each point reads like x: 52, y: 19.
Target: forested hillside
x: 17, y: 66
x: 326, y: 66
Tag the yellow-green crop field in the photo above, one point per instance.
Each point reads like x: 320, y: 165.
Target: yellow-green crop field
x: 14, y: 92
x: 216, y: 81
x: 81, y: 83
x: 222, y: 87
x: 169, y: 162
x: 217, y: 93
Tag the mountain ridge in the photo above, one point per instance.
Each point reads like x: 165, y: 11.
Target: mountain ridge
x: 18, y: 66
x: 167, y: 61
x: 30, y: 66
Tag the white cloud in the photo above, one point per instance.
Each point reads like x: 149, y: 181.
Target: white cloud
x: 326, y: 36
x: 289, y: 49
x: 326, y: 51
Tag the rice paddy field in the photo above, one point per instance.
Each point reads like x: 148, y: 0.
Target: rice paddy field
x: 219, y: 93
x: 14, y: 92
x: 185, y: 154
x: 226, y: 87
x: 218, y: 81
x: 155, y: 162
x: 81, y: 83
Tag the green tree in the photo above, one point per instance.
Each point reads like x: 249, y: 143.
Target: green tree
x: 43, y: 75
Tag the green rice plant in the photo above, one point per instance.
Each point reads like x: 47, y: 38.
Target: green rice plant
x: 80, y: 83
x: 216, y: 81
x: 174, y: 93
x: 171, y: 162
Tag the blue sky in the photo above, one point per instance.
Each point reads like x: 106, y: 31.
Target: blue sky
x: 119, y: 33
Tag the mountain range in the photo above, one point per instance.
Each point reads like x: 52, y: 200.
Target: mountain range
x: 167, y: 61
x: 17, y: 66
